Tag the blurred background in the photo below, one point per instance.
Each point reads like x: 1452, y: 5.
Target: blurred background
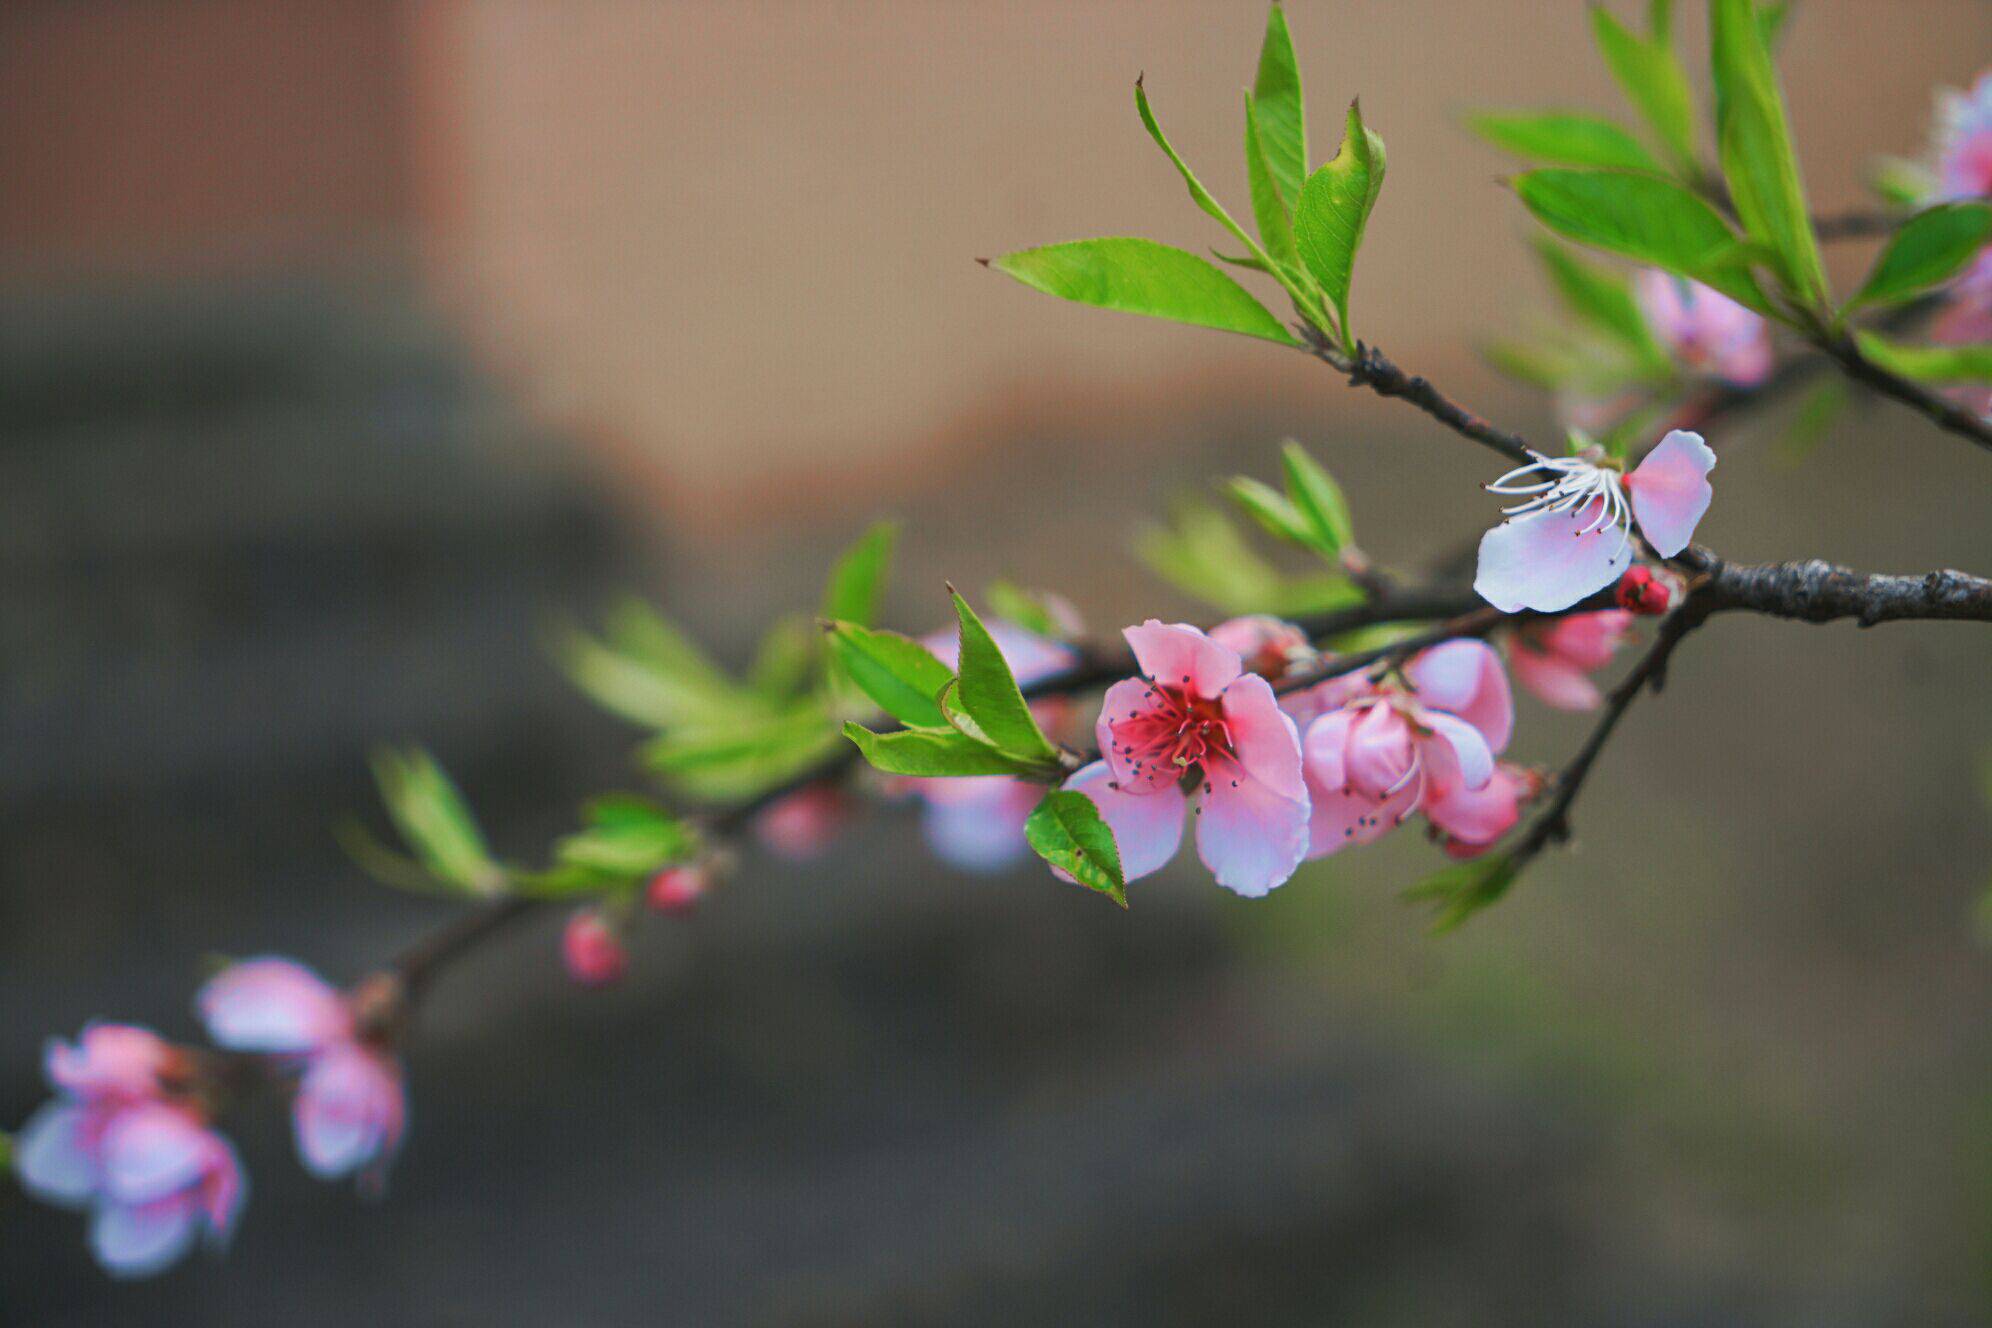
x: 347, y: 350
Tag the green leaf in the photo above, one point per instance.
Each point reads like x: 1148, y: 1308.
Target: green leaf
x: 1318, y: 499
x: 1457, y: 892
x: 1334, y: 208
x: 1027, y: 609
x: 1907, y: 183
x: 1653, y: 80
x: 741, y: 755
x: 626, y: 836
x: 1201, y: 196
x: 1280, y: 109
x: 1562, y: 139
x: 1771, y: 20
x: 1269, y: 208
x: 1929, y: 364
x: 897, y: 672
x: 1641, y: 217
x: 988, y: 692
x: 934, y: 753
x: 1754, y: 139
x: 1271, y: 509
x: 858, y: 577
x: 434, y: 820
x: 1203, y: 554
x: 1927, y: 249
x: 784, y: 658
x: 391, y: 869
x: 1814, y: 414
x: 1143, y: 277
x: 1601, y: 298
x: 1067, y: 831
x: 645, y: 669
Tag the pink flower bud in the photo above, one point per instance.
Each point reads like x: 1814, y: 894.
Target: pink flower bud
x: 677, y: 889
x: 1641, y: 592
x: 805, y: 823
x: 591, y: 950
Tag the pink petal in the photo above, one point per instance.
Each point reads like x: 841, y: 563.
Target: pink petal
x: 152, y: 1150
x: 1137, y: 737
x: 980, y: 828
x: 52, y: 1155
x: 1265, y: 740
x: 1182, y: 656
x: 1148, y: 828
x: 1324, y: 751
x: 1456, y: 752
x: 1249, y: 834
x: 108, y: 1060
x: 1553, y: 679
x: 1465, y: 677
x: 1377, y: 757
x: 272, y: 1005
x: 1478, y: 817
x: 1587, y: 640
x: 1309, y: 704
x: 1547, y: 563
x: 348, y: 1113
x: 138, y: 1240
x: 1670, y: 492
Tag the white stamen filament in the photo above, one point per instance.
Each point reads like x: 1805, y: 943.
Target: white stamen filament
x: 1574, y: 484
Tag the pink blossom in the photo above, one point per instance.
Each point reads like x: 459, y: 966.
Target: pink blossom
x: 592, y: 951
x: 1195, y: 709
x: 1388, y: 751
x: 154, y: 1176
x: 1467, y: 822
x: 1964, y: 141
x: 677, y: 889
x: 1572, y: 534
x: 1553, y: 659
x: 350, y: 1111
x: 804, y: 824
x: 1267, y: 645
x: 1967, y: 320
x: 1705, y: 329
x: 976, y: 823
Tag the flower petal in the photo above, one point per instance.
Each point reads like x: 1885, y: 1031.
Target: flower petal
x: 1377, y: 759
x: 138, y: 1240
x: 348, y: 1111
x: 52, y: 1155
x: 1670, y: 491
x: 272, y: 1005
x: 1477, y: 817
x: 152, y: 1150
x: 1456, y: 751
x: 107, y: 1060
x: 1553, y: 679
x: 1182, y: 656
x: 1249, y: 834
x: 1137, y: 737
x: 1325, y: 751
x: 1148, y: 827
x: 1465, y: 677
x: 1547, y: 562
x: 982, y: 831
x: 1263, y: 736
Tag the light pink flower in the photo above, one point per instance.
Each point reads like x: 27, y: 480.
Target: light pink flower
x: 1267, y: 645
x: 1554, y: 659
x: 1967, y: 320
x: 804, y: 824
x: 976, y: 823
x: 1705, y: 329
x: 1572, y: 534
x: 1195, y: 708
x: 1467, y: 822
x: 1964, y: 141
x: 350, y: 1111
x: 154, y: 1176
x: 1387, y: 750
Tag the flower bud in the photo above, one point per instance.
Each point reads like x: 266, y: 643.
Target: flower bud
x: 590, y: 948
x: 1641, y: 592
x: 677, y: 889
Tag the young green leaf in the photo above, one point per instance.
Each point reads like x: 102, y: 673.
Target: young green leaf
x: 1067, y: 831
x: 1929, y: 364
x: 1562, y: 139
x: 626, y: 836
x: 1809, y: 422
x: 1318, y: 499
x: 1027, y: 609
x: 1280, y: 109
x: 784, y: 658
x: 932, y: 753
x: 1271, y: 510
x: 1927, y: 249
x: 1335, y: 206
x: 434, y: 820
x: 1457, y: 892
x: 988, y: 692
x: 1269, y: 208
x: 1143, y: 277
x: 1653, y: 80
x: 1645, y: 218
x: 1603, y: 299
x: 897, y: 672
x: 1199, y: 195
x: 1754, y: 139
x: 1203, y: 553
x: 1903, y: 182
x: 743, y: 754
x: 858, y: 578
